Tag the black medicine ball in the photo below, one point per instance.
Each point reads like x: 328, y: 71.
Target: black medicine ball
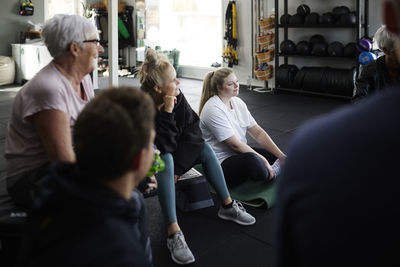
x: 287, y: 47
x: 348, y: 18
x: 350, y: 50
x: 335, y: 49
x: 326, y: 18
x: 339, y: 11
x: 296, y: 19
x: 312, y: 19
x: 317, y: 38
x: 303, y: 10
x: 319, y: 49
x: 303, y: 48
x: 285, y: 19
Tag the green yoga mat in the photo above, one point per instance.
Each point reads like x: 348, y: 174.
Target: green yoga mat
x: 252, y: 193
x: 255, y: 193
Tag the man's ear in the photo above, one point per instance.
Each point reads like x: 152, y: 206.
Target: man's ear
x: 389, y: 14
x: 137, y: 161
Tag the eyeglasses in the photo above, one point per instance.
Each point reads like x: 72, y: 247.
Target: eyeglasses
x: 97, y: 41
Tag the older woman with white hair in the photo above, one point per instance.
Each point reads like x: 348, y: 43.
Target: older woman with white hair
x: 382, y: 72
x: 45, y: 109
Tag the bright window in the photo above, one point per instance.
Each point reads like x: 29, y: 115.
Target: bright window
x: 53, y: 7
x: 194, y: 27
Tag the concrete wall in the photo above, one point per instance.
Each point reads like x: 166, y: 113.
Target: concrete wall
x: 12, y: 23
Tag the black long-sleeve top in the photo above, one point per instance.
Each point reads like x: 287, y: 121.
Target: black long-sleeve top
x: 179, y: 133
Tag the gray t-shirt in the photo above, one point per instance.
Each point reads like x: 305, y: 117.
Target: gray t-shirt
x: 48, y: 90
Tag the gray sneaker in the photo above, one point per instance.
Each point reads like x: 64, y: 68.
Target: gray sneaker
x: 236, y: 213
x: 180, y: 251
x: 277, y: 168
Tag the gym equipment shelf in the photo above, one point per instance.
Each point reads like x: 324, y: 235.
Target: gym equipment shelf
x: 358, y: 26
x: 317, y: 26
x: 312, y: 93
x: 329, y: 57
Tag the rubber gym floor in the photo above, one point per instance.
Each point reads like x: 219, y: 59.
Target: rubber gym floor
x: 215, y: 242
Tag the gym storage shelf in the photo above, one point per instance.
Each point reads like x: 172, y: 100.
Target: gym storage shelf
x: 360, y: 28
x: 317, y: 26
x: 312, y: 93
x: 328, y: 57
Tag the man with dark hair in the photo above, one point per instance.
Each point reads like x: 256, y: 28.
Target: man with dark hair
x: 338, y: 199
x: 89, y: 213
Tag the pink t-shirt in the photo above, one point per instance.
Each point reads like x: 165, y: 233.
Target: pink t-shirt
x: 48, y: 90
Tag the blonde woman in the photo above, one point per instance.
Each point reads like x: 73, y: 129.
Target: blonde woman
x: 179, y: 139
x: 225, y: 121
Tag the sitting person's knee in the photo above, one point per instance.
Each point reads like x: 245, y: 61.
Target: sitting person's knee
x: 168, y: 161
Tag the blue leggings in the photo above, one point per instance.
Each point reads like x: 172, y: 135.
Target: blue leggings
x: 166, y: 184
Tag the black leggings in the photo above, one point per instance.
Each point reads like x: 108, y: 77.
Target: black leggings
x: 22, y: 187
x: 239, y: 168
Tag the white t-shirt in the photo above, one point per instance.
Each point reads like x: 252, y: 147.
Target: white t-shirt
x: 218, y: 123
x: 48, y: 90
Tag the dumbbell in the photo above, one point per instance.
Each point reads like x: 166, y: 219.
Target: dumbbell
x: 364, y: 44
x: 366, y: 57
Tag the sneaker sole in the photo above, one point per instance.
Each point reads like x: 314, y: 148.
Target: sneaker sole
x: 235, y: 220
x: 181, y: 262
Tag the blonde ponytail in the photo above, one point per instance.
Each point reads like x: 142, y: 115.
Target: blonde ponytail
x: 210, y: 85
x: 151, y: 73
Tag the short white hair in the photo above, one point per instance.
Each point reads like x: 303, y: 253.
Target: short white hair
x: 63, y: 29
x: 384, y: 39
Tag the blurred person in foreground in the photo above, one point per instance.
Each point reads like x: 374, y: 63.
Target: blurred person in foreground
x: 339, y: 193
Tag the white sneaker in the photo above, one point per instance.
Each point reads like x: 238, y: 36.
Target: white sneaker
x: 277, y: 168
x: 180, y: 251
x: 236, y: 213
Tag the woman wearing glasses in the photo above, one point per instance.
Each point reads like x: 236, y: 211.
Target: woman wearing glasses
x: 46, y: 107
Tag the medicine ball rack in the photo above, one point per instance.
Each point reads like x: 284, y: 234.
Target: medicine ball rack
x: 361, y: 27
